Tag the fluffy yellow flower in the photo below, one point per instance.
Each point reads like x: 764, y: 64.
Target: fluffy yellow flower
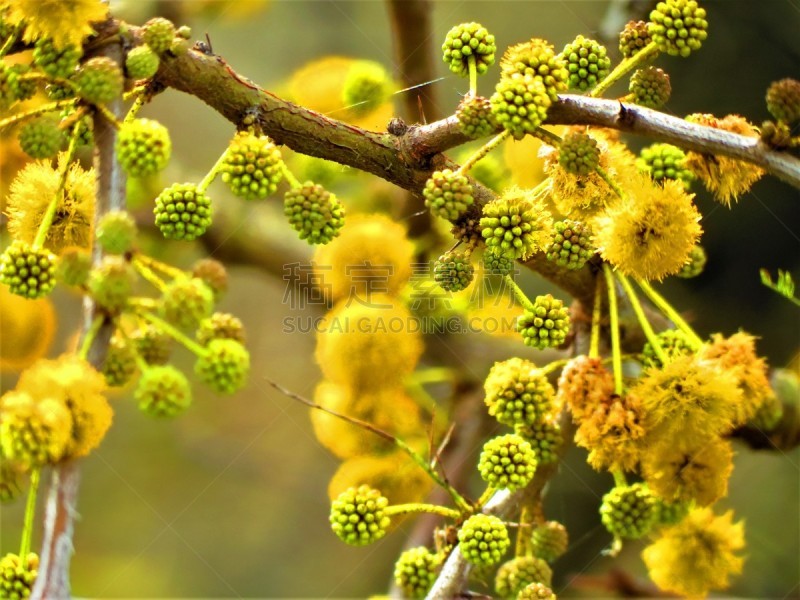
x: 398, y: 477
x: 371, y: 255
x: 688, y: 398
x: 612, y: 433
x: 64, y: 21
x: 31, y: 192
x: 650, y: 234
x: 737, y: 355
x: 388, y: 409
x: 697, y: 555
x: 75, y: 383
x: 726, y: 178
x: 28, y: 328
x: 680, y: 472
x: 585, y: 385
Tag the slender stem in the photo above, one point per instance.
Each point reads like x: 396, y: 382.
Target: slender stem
x: 473, y: 75
x: 548, y: 137
x: 614, y: 314
x: 619, y: 478
x: 651, y: 336
x: 108, y: 115
x: 90, y: 336
x: 666, y: 308
x: 611, y: 183
x: 485, y: 496
x: 594, y: 341
x: 553, y: 366
x: 136, y: 107
x: 142, y: 304
x: 157, y: 265
x: 174, y: 333
x: 432, y: 375
x: 519, y: 294
x: 212, y: 174
x: 523, y: 546
x: 417, y: 508
x: 287, y: 173
x: 50, y: 213
x: 35, y: 112
x: 624, y: 68
x: 30, y: 512
x: 147, y: 273
x: 483, y: 151
x: 12, y: 37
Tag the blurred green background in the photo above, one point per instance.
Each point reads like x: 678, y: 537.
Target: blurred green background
x: 230, y: 499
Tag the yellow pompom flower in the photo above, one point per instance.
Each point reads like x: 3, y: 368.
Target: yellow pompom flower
x: 64, y: 21
x: 33, y: 432
x: 726, y: 178
x: 612, y: 433
x: 368, y: 347
x: 585, y: 386
x: 696, y: 555
x: 398, y: 477
x: 689, y: 399
x: 650, y: 234
x: 371, y: 255
x: 676, y: 471
x: 28, y: 328
x: 737, y: 355
x: 31, y: 192
x: 76, y: 384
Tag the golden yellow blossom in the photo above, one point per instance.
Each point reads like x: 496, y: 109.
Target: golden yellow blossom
x: 75, y: 383
x: 33, y: 431
x: 27, y: 327
x: 680, y: 472
x: 612, y: 433
x: 398, y: 477
x: 696, y: 555
x: 585, y: 385
x: 650, y: 234
x: 64, y: 21
x: 726, y: 178
x: 31, y: 192
x: 371, y: 255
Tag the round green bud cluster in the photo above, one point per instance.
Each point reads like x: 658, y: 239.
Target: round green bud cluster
x: 514, y: 575
x: 153, y: 346
x: 518, y: 393
x: 475, y: 118
x: 453, y: 271
x: 536, y: 591
x: 42, y: 137
x: 578, y: 153
x: 357, y: 516
x: 507, y: 462
x: 85, y: 128
x: 163, y: 391
x: 538, y: 59
x: 224, y: 366
x: 497, y: 264
x: 520, y: 103
x: 367, y: 86
x: 633, y: 38
x: 27, y: 271
x: 111, y: 283
x: 587, y: 63
x: 783, y: 100
x: 777, y: 135
x: 545, y: 438
x: 220, y: 326
x: 186, y: 301
x: 650, y: 87
x: 483, y: 540
x: 571, y: 246
x: 547, y: 325
x: 468, y: 40
x: 674, y: 342
x: 448, y: 194
x: 678, y: 27
x: 314, y: 213
x: 671, y: 513
x: 12, y: 86
x: 74, y: 266
x: 509, y: 226
x: 99, y: 80
x: 116, y: 232
x: 141, y: 63
x: 769, y: 414
x: 213, y: 273
x: 16, y: 577
x: 182, y: 212
x: 629, y: 511
x: 119, y: 365
x: 665, y: 161
x: 57, y: 91
x: 252, y: 167
x: 33, y: 433
x: 158, y: 33
x: 143, y: 147
x: 415, y: 571
x: 550, y: 540
x: 55, y: 62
